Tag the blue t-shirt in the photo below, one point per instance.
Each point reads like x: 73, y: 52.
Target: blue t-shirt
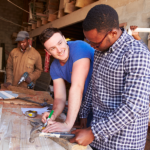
x: 77, y: 50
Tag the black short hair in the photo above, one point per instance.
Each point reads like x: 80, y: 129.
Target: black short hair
x: 101, y: 17
x: 48, y: 33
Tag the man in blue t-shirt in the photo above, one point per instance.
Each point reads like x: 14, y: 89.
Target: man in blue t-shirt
x: 73, y: 63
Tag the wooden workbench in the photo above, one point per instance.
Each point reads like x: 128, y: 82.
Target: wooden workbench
x: 15, y: 126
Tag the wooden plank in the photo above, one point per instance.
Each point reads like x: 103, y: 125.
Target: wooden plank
x: 19, y: 89
x: 83, y: 3
x: 69, y: 8
x: 37, y: 96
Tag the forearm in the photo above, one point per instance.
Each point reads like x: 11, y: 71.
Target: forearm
x: 58, y: 107
x: 74, y: 103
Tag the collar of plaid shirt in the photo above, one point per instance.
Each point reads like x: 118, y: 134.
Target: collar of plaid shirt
x: 119, y: 95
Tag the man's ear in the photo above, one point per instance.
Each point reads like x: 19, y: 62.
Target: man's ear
x: 114, y: 33
x: 47, y: 52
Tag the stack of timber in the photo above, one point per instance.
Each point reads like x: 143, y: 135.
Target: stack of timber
x: 49, y: 10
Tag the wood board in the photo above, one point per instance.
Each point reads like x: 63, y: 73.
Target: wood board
x: 37, y: 96
x: 15, y: 132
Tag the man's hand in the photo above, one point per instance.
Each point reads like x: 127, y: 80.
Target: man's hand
x: 57, y: 127
x: 28, y: 79
x: 83, y: 122
x: 7, y: 84
x: 135, y: 34
x: 45, y: 116
x: 82, y: 136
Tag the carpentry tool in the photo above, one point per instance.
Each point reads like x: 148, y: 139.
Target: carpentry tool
x: 45, y: 104
x: 23, y: 77
x: 51, y: 113
x: 30, y: 85
x: 31, y: 113
x: 36, y: 132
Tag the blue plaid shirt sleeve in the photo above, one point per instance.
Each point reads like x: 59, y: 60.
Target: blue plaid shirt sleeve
x: 134, y: 97
x: 87, y: 103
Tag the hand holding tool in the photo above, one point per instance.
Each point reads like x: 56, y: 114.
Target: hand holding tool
x: 38, y: 127
x: 23, y: 77
x: 49, y: 117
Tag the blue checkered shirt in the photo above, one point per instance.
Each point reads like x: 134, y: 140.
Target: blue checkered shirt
x: 119, y: 96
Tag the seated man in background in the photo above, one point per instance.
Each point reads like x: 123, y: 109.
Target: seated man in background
x: 23, y: 59
x: 73, y: 63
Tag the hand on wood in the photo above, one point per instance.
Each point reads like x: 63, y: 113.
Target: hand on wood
x: 82, y: 136
x: 57, y: 127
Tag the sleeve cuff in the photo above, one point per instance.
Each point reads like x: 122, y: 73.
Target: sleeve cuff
x: 98, y: 132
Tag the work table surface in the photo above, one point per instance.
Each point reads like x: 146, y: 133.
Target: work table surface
x: 15, y: 131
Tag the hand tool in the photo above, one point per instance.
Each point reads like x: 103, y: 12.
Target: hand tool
x: 36, y: 131
x: 23, y: 77
x: 51, y: 113
x: 30, y: 85
x: 45, y: 104
x: 31, y: 113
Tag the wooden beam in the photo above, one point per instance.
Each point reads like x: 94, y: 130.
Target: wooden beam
x: 83, y: 3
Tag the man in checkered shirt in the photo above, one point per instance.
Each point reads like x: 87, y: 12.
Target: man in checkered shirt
x: 119, y: 89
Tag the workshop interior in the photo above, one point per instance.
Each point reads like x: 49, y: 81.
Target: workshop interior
x: 31, y: 80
